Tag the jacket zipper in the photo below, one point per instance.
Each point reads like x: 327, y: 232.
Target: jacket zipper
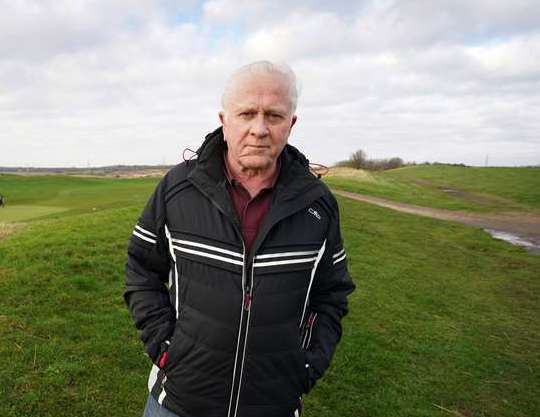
x: 241, y: 344
x: 246, y: 306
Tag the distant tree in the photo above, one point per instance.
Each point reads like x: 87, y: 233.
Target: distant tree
x: 358, y: 159
x: 394, y: 163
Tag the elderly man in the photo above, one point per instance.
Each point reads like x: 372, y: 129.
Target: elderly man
x: 236, y: 272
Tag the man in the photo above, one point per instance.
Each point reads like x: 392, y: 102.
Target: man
x: 236, y: 272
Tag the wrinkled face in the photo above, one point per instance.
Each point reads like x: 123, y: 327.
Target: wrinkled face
x: 257, y: 120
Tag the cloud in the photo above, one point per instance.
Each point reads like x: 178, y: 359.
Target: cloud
x: 135, y: 82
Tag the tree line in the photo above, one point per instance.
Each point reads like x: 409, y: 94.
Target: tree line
x: 359, y: 160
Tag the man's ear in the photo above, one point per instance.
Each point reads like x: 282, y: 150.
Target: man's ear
x: 222, y: 117
x: 293, y: 121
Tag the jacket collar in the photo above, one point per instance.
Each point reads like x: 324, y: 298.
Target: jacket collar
x: 293, y: 178
x: 295, y: 183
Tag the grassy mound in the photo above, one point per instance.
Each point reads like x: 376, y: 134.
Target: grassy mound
x: 450, y: 187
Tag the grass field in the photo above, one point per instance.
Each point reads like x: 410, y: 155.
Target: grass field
x: 450, y: 187
x: 444, y: 321
x: 32, y: 197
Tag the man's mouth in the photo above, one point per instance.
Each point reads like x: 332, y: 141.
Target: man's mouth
x: 256, y: 148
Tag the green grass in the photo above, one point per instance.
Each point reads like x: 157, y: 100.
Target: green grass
x: 444, y: 316
x: 68, y: 346
x: 451, y: 187
x: 19, y: 212
x: 32, y: 197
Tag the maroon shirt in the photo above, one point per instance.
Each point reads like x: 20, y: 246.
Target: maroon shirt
x: 250, y: 211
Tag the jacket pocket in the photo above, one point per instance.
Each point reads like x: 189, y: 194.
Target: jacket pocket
x: 305, y: 343
x: 307, y: 330
x: 176, y: 345
x: 180, y: 346
x: 306, y: 385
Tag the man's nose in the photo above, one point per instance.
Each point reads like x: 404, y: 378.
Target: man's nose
x: 259, y: 127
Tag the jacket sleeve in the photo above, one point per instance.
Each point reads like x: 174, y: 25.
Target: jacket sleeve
x: 328, y: 302
x: 147, y: 275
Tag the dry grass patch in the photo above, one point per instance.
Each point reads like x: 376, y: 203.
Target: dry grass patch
x: 360, y: 174
x: 7, y: 229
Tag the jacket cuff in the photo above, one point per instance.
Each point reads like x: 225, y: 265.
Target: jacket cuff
x: 159, y: 342
x: 159, y: 349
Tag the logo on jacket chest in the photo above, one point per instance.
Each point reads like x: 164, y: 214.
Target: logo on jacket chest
x: 314, y: 213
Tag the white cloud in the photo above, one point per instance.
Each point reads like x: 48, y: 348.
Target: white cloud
x: 134, y: 82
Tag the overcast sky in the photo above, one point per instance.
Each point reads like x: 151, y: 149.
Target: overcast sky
x: 136, y: 81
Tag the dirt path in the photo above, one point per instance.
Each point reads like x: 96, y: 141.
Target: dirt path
x: 523, y: 225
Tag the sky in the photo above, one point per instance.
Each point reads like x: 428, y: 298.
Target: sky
x: 103, y: 82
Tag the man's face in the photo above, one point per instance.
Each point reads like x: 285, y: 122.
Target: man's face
x: 257, y: 120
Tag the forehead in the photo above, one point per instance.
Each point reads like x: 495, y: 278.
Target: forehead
x: 260, y: 89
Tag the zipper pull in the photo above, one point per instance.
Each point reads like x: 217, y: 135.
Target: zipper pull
x: 247, y: 301
x: 311, y: 319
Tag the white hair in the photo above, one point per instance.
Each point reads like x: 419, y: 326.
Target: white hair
x: 263, y: 67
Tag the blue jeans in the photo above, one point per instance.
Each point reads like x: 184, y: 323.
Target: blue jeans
x: 153, y: 409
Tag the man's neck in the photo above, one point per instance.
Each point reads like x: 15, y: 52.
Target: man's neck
x: 253, y: 180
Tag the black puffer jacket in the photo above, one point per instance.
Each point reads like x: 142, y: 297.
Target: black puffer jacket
x: 246, y: 334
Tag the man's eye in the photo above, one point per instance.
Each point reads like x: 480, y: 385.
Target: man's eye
x: 275, y: 116
x: 246, y: 115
